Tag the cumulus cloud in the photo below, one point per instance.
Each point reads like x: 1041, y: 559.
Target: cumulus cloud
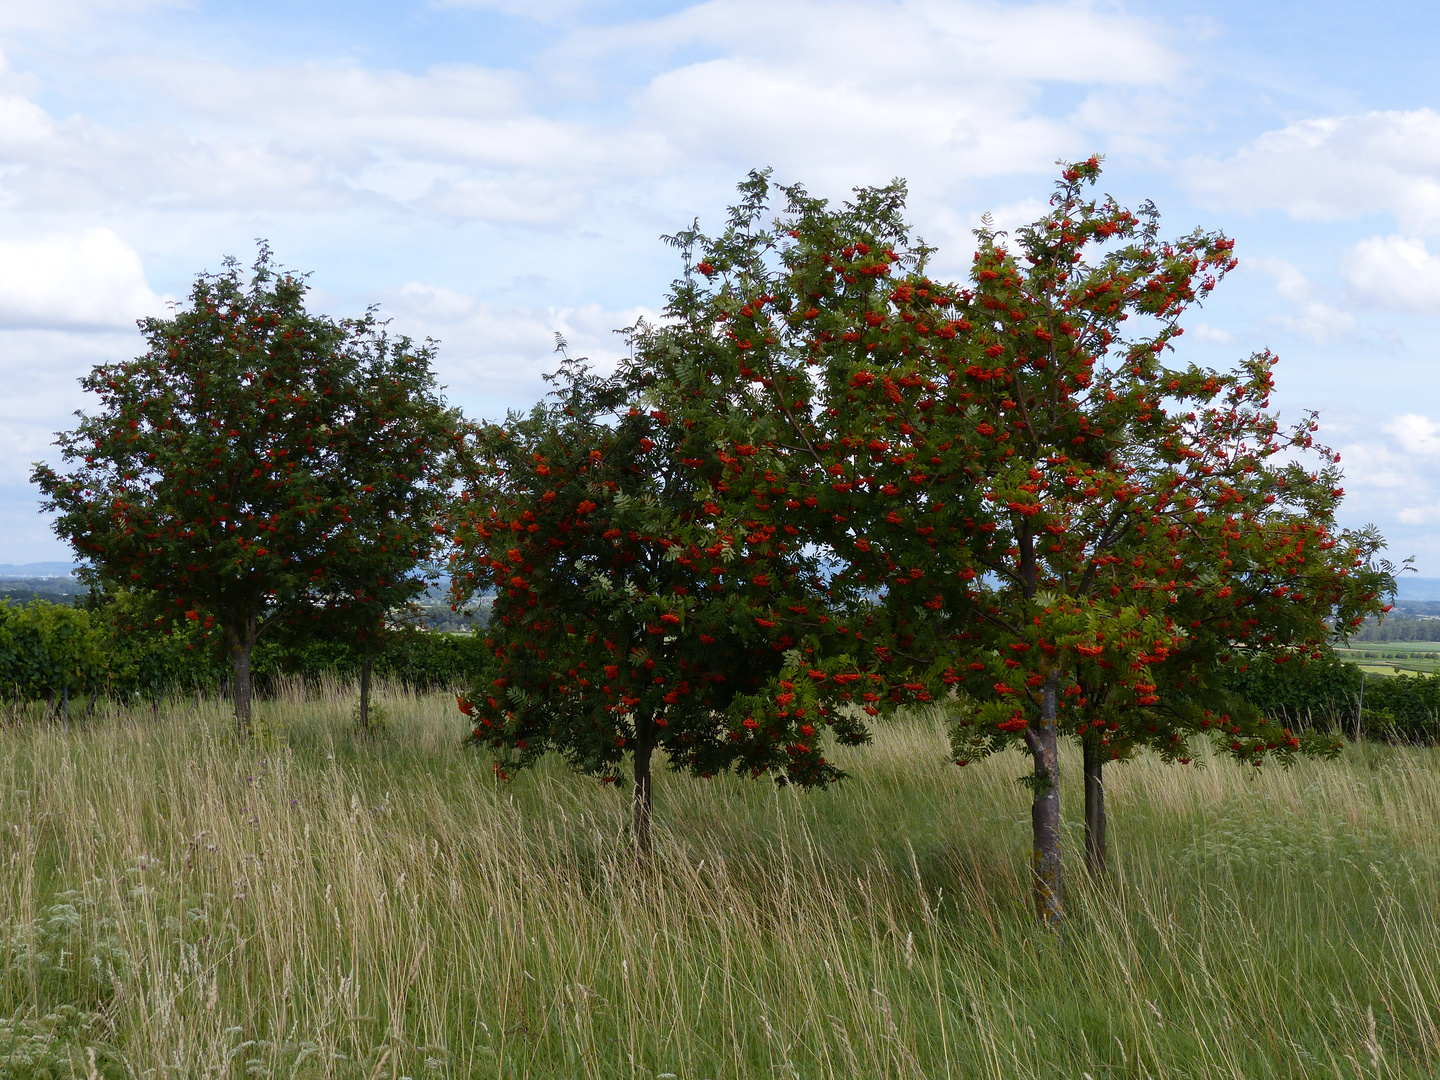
x: 942, y: 42
x: 495, y: 356
x: 1308, y: 316
x: 1392, y: 474
x: 962, y: 102
x: 508, y: 146
x: 66, y: 14
x: 1395, y: 272
x: 1416, y: 434
x: 1338, y: 167
x: 1211, y: 335
x: 82, y: 280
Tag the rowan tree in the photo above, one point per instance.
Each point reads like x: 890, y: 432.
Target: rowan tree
x: 1021, y: 500
x: 624, y: 620
x: 396, y: 528
x: 254, y: 461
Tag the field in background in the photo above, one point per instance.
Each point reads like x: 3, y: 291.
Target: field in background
x: 1393, y: 657
x: 176, y: 907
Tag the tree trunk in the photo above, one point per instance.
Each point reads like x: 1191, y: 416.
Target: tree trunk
x: 1044, y: 743
x: 1095, y: 806
x: 242, y: 647
x: 366, y: 661
x: 65, y: 703
x: 644, y: 794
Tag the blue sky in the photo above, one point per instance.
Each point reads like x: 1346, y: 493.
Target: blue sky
x: 493, y: 171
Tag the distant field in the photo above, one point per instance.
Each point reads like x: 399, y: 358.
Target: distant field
x: 175, y: 906
x: 1383, y: 657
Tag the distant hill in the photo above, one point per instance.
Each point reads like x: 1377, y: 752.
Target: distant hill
x: 25, y: 571
x: 1418, y: 588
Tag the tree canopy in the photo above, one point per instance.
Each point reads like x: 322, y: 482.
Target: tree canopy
x: 256, y: 460
x: 1019, y: 499
x: 624, y: 618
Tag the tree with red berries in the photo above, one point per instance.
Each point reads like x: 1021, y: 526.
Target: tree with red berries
x: 255, y: 462
x: 1021, y: 506
x: 624, y: 619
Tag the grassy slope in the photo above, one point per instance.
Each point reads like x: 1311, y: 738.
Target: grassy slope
x: 387, y: 909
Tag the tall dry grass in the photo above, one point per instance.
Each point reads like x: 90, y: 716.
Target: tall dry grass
x: 175, y: 906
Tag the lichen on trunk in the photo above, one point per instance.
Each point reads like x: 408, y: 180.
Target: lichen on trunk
x: 645, y: 732
x: 367, y: 662
x: 1095, y: 849
x: 241, y: 639
x: 1043, y: 740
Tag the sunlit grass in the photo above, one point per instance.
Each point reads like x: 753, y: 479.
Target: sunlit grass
x: 333, y: 906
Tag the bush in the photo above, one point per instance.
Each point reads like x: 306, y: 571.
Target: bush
x: 1326, y: 693
x: 420, y: 659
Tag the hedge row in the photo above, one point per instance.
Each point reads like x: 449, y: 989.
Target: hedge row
x: 1330, y: 693
x: 421, y: 659
x: 47, y: 650
x: 113, y: 648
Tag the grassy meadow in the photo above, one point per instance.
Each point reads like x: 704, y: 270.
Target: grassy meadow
x: 326, y: 906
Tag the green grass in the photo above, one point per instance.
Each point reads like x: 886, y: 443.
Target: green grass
x: 178, y: 907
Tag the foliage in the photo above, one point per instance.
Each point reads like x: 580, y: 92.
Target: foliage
x: 148, y: 655
x: 1326, y: 693
x: 48, y: 651
x: 624, y: 618
x: 256, y: 462
x: 1015, y: 498
x: 420, y: 659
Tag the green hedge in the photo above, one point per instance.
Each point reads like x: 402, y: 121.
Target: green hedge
x: 113, y: 646
x: 422, y: 659
x: 1326, y: 693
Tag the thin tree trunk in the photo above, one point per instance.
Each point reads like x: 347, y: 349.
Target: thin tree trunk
x: 1095, y: 850
x: 366, y: 660
x: 65, y: 703
x: 242, y: 647
x: 1043, y: 740
x: 645, y: 730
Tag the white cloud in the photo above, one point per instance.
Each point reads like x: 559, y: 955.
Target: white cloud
x: 65, y: 14
x: 1416, y: 434
x: 1375, y: 465
x: 1392, y: 474
x: 512, y: 199
x: 1210, y: 335
x: 1395, y: 272
x: 1419, y: 515
x: 914, y: 42
x: 1309, y: 316
x: 81, y: 280
x: 38, y: 391
x: 511, y: 147
x: 544, y: 11
x: 494, y: 356
x: 957, y: 99
x: 1338, y: 167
